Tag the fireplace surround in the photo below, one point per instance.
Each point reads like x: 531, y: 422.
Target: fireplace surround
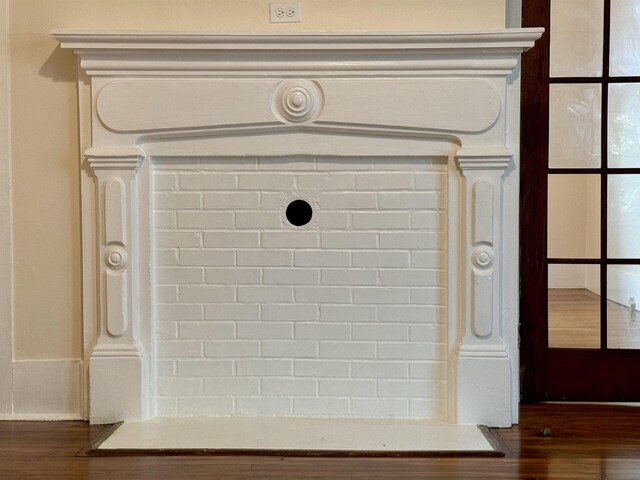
x: 161, y: 98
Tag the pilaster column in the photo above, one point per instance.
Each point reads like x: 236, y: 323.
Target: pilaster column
x: 483, y: 376
x: 117, y: 366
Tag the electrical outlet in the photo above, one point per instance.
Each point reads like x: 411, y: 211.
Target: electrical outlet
x: 285, y: 12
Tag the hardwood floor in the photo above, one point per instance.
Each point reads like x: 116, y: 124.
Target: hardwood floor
x: 574, y: 321
x: 589, y: 442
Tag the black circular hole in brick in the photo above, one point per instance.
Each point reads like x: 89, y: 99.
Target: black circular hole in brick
x: 299, y: 213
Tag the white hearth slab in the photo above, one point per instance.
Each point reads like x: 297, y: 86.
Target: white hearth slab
x: 279, y: 434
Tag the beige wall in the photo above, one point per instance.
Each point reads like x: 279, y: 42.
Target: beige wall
x: 46, y: 197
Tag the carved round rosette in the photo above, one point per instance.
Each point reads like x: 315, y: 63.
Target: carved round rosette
x: 115, y: 257
x: 482, y: 258
x: 298, y: 100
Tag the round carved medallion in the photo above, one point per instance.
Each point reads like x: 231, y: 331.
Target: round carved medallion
x: 115, y: 257
x: 482, y: 258
x: 298, y: 100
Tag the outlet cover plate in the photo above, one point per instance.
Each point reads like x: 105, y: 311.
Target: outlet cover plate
x: 285, y: 12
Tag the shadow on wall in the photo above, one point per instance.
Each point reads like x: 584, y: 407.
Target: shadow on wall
x: 61, y: 66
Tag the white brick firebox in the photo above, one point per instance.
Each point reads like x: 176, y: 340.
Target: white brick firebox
x: 201, y: 297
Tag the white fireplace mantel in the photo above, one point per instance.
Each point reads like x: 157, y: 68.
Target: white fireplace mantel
x: 157, y: 94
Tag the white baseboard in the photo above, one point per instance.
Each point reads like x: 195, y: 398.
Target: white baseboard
x: 47, y: 390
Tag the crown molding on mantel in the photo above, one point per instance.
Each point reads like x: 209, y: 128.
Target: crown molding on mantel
x: 110, y: 52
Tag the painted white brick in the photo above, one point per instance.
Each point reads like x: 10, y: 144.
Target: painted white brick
x: 384, y: 181
x: 204, y: 368
x: 264, y: 367
x: 428, y: 333
x: 232, y: 311
x: 178, y: 275
x: 205, y: 405
x: 321, y: 368
x: 406, y: 351
x: 407, y: 200
x: 313, y: 258
x: 265, y: 181
x: 284, y: 387
x: 431, y: 181
x: 428, y: 370
x: 428, y: 259
x: 349, y: 277
x: 178, y: 312
x: 186, y: 386
x: 165, y: 368
x: 208, y: 330
x: 207, y: 181
x: 206, y: 257
x: 405, y: 388
x: 347, y: 388
x: 228, y: 163
x: 286, y: 163
x: 289, y: 349
x: 380, y: 295
x: 425, y: 278
x: 344, y: 163
x: 206, y: 293
x: 259, y: 220
x: 164, y: 182
x: 221, y: 386
x: 321, y: 406
x: 290, y: 239
x: 429, y: 296
x: 166, y: 406
x: 376, y: 369
x: 265, y: 258
x: 380, y: 332
x: 265, y: 294
x: 177, y: 239
x: 327, y: 181
x: 166, y: 257
x: 164, y: 219
x: 231, y: 200
x: 297, y: 312
x: 380, y: 259
x: 272, y: 201
x: 291, y: 276
x: 332, y: 220
x: 424, y: 408
x: 323, y: 331
x: 429, y: 220
x: 417, y: 240
x: 407, y: 314
x: 233, y: 276
x: 165, y: 165
x: 380, y: 220
x: 349, y: 240
x: 231, y: 348
x: 177, y: 201
x: 380, y: 407
x: 167, y: 331
x: 231, y: 239
x: 347, y: 313
x: 166, y: 294
x: 258, y: 330
x: 263, y: 406
x: 179, y: 349
x: 322, y: 295
x: 204, y: 220
x: 347, y: 350
x: 403, y: 163
x: 348, y: 201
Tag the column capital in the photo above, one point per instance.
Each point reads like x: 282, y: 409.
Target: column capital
x: 114, y: 158
x: 484, y: 158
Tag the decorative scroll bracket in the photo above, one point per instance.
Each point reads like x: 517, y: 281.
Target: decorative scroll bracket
x: 117, y: 350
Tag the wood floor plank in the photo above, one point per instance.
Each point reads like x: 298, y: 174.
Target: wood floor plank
x: 588, y: 442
